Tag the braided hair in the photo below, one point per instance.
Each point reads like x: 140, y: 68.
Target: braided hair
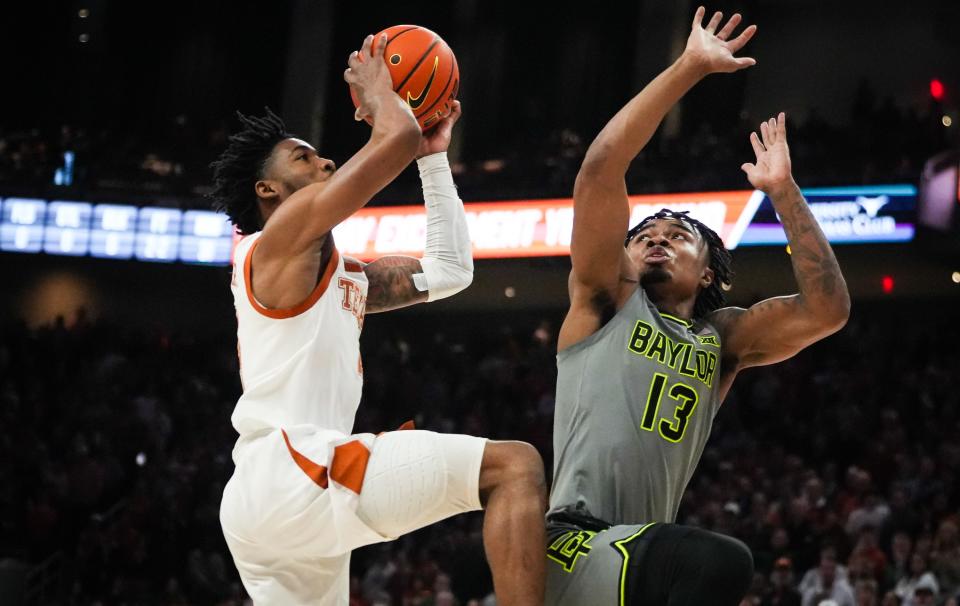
x: 711, y: 297
x: 241, y: 165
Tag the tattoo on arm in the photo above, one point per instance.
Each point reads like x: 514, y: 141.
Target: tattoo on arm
x: 391, y: 283
x: 814, y: 264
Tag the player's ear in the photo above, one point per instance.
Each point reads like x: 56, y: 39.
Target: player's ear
x: 267, y: 189
x: 706, y: 279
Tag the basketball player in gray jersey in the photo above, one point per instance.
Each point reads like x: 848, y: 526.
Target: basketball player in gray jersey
x: 647, y: 354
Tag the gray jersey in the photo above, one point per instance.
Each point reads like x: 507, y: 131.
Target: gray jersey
x: 634, y: 408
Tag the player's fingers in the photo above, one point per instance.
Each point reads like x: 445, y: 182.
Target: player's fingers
x: 729, y: 27
x: 349, y: 76
x: 743, y: 62
x: 765, y: 134
x: 353, y: 60
x: 755, y: 143
x: 782, y: 125
x: 455, y: 110
x: 379, y: 45
x: 744, y: 37
x: 698, y: 17
x: 746, y: 167
x: 365, y: 49
x: 714, y: 22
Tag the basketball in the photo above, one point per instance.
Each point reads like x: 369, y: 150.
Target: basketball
x: 424, y: 72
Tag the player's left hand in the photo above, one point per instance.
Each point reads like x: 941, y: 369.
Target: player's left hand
x: 711, y: 50
x: 437, y: 139
x: 771, y: 173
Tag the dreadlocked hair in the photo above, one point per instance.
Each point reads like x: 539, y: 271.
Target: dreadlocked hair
x: 241, y: 165
x: 712, y: 297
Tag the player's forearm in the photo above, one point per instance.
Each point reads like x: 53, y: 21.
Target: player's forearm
x: 818, y: 275
x: 448, y: 256
x: 394, y: 123
x: 626, y: 134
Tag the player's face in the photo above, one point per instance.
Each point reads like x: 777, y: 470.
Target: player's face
x: 296, y: 164
x: 671, y: 254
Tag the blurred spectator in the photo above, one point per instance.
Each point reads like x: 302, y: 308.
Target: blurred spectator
x: 815, y: 576
x: 782, y: 583
x: 873, y: 513
x: 873, y: 562
x: 900, y: 549
x: 925, y: 593
x: 945, y: 558
x: 920, y: 575
x: 865, y: 592
x: 828, y: 587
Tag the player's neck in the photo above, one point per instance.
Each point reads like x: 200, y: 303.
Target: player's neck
x: 670, y: 304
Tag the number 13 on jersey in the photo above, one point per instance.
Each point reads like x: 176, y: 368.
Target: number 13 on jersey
x: 685, y: 396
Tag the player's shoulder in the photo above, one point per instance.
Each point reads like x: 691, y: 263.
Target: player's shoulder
x: 724, y: 319
x: 241, y: 248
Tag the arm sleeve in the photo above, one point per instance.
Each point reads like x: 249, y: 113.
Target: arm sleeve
x: 448, y: 257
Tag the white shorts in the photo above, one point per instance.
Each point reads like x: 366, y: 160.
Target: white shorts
x: 302, y: 498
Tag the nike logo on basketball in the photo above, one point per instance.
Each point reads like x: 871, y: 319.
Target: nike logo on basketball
x: 416, y: 102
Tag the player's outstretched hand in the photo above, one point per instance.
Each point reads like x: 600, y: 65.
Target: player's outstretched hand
x: 771, y: 173
x: 369, y: 76
x: 713, y: 50
x: 437, y: 139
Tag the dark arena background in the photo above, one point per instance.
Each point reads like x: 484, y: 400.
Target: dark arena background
x: 118, y: 353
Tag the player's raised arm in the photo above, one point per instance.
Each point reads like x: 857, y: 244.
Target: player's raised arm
x: 447, y: 264
x: 777, y: 328
x: 308, y: 215
x: 601, y: 211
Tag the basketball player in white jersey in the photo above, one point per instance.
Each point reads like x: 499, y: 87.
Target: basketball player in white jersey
x: 305, y: 492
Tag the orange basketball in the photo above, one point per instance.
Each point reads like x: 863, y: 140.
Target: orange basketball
x: 424, y: 72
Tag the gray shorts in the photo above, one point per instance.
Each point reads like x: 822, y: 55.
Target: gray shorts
x: 585, y: 567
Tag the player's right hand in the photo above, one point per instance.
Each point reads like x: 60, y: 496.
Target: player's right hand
x: 711, y: 50
x: 369, y: 76
x: 771, y: 173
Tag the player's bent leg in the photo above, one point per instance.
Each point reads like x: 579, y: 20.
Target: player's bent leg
x: 513, y: 491
x: 416, y: 478
x: 700, y: 567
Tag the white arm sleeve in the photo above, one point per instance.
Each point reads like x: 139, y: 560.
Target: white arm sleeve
x: 448, y: 258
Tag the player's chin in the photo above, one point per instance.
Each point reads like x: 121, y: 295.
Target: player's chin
x: 655, y: 274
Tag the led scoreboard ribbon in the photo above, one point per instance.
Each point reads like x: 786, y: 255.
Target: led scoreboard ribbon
x: 115, y: 231
x: 524, y: 228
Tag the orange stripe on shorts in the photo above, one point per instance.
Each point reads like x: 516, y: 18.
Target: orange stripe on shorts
x: 350, y: 465
x: 317, y: 473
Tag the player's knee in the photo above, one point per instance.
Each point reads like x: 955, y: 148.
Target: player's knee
x: 514, y: 463
x: 525, y: 463
x: 732, y: 564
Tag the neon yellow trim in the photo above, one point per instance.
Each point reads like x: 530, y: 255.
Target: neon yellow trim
x: 556, y: 544
x: 575, y: 544
x: 626, y: 560
x: 686, y: 323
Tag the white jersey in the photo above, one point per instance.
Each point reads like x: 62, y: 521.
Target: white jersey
x: 302, y: 365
